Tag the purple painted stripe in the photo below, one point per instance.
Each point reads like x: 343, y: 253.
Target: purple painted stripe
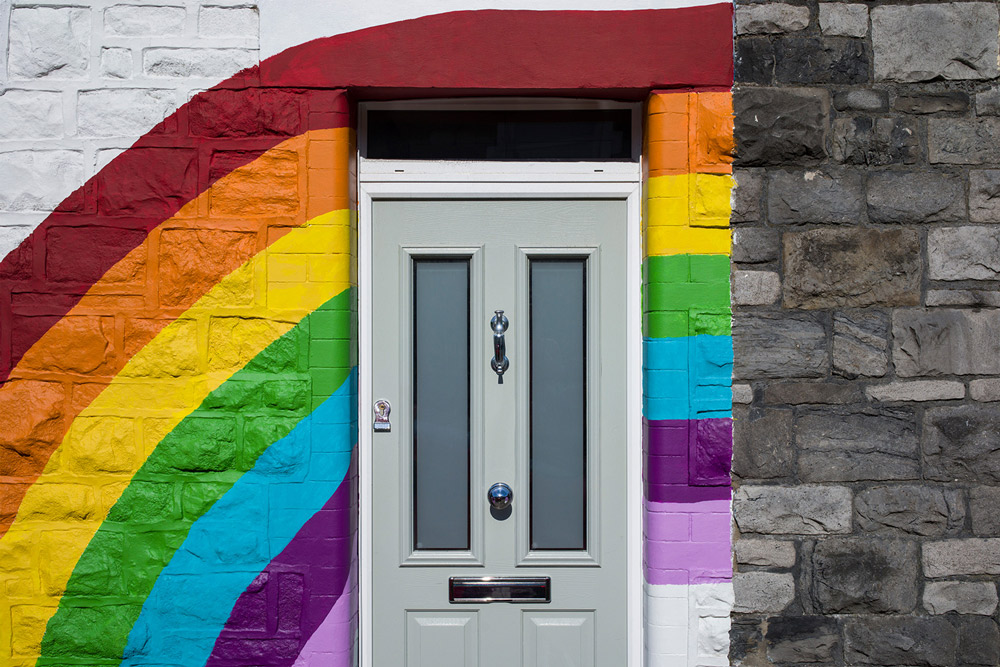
x: 695, y: 452
x: 273, y: 619
x: 681, y: 493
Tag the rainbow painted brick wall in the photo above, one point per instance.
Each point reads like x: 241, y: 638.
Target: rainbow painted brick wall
x: 687, y: 375
x: 185, y: 492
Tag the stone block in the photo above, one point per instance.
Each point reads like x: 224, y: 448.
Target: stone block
x: 746, y: 641
x: 870, y: 141
x: 963, y: 140
x: 101, y: 445
x: 143, y: 21
x: 861, y: 100
x: 960, y: 444
x: 746, y: 195
x: 770, y: 18
x: 969, y: 556
x: 228, y: 339
x: 755, y: 288
x: 851, y: 267
x: 807, y: 509
x: 928, y: 41
x: 945, y: 342
x: 763, y: 443
x: 964, y: 253
x: 189, y: 257
x: 753, y: 60
x: 762, y: 592
x: 116, y: 63
x: 221, y: 21
x: 953, y: 102
x: 765, y: 553
x: 802, y: 639
x: 49, y: 42
x: 79, y: 344
x: 978, y: 641
x: 984, y: 195
x: 178, y: 355
x: 30, y: 114
x: 195, y: 63
x: 908, y: 197
x: 860, y: 343
x: 803, y: 393
x: 755, y: 245
x: 39, y: 180
x: 820, y: 60
x: 838, y: 445
x: 985, y: 390
x: 917, y: 390
x: 122, y: 112
x: 775, y: 127
x: 742, y: 394
x: 983, y: 504
x: 963, y: 297
x: 786, y: 345
x: 962, y: 597
x: 847, y: 20
x: 239, y: 113
x: 905, y: 510
x: 814, y: 196
x: 907, y: 640
x: 269, y: 187
x: 988, y: 103
x: 864, y: 576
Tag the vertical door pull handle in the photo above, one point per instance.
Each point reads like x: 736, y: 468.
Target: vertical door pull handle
x: 499, y: 363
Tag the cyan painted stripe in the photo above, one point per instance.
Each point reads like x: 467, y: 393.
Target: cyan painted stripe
x: 687, y: 378
x: 230, y: 544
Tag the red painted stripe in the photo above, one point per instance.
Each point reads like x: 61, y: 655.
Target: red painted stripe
x: 617, y: 53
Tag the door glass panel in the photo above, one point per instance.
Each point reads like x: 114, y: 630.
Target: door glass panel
x: 569, y: 134
x: 441, y: 403
x: 558, y: 400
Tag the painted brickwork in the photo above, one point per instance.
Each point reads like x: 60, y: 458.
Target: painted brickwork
x: 687, y: 370
x: 866, y: 294
x: 178, y: 313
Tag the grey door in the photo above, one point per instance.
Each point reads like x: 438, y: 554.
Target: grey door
x: 552, y: 428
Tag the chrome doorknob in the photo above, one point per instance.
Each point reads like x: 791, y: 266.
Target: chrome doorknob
x: 500, y: 496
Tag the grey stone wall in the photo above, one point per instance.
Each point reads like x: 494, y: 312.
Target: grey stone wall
x: 867, y: 333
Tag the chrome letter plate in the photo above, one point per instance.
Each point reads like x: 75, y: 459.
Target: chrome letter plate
x: 478, y: 590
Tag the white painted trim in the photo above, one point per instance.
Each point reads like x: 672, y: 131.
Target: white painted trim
x: 465, y: 185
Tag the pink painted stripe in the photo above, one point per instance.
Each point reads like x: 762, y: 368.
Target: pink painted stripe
x: 688, y: 542
x: 330, y: 645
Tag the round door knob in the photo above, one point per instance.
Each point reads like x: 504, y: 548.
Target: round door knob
x: 500, y: 496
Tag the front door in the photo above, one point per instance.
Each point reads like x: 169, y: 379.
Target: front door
x: 498, y: 499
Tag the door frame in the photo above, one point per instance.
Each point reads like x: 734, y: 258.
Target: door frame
x: 385, y: 179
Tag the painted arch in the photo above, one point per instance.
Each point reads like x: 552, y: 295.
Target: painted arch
x: 178, y: 406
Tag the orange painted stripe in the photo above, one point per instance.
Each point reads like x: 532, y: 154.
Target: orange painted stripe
x: 181, y: 260
x: 689, y: 133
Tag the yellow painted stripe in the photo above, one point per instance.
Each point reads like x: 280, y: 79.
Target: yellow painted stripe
x: 688, y: 214
x: 113, y: 435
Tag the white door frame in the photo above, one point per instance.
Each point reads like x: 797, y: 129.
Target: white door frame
x: 378, y: 179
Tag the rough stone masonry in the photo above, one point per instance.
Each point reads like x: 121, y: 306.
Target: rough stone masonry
x: 866, y: 230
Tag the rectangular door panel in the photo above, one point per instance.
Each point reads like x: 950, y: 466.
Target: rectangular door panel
x: 558, y: 639
x: 442, y: 639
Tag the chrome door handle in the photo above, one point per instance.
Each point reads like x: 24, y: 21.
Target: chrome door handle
x: 499, y: 363
x: 500, y: 496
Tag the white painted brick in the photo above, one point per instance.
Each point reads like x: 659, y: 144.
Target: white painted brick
x: 49, y: 42
x: 30, y: 114
x: 209, y: 63
x: 122, y: 111
x: 216, y: 21
x: 713, y: 636
x: 917, y: 390
x: 666, y: 611
x: 39, y: 180
x: 11, y: 237
x: 713, y: 599
x: 144, y: 20
x: 666, y: 638
x: 985, y: 390
x: 116, y: 63
x: 755, y: 288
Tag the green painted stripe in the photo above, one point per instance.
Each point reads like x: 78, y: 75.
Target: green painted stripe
x: 686, y: 295
x: 192, y: 468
